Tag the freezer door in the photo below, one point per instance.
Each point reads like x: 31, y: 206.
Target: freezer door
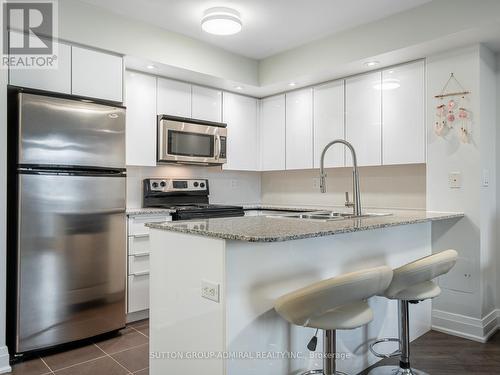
x: 56, y: 131
x: 71, y: 259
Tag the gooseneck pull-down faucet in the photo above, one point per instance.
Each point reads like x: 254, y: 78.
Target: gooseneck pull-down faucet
x: 355, y: 176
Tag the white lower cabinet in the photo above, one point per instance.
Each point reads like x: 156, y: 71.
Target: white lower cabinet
x: 138, y: 292
x: 138, y: 261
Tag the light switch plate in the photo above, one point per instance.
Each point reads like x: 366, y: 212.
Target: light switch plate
x: 210, y: 290
x: 455, y: 180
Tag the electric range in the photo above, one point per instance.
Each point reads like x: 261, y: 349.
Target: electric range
x: 188, y: 198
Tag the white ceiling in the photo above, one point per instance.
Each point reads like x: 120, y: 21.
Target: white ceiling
x: 269, y: 26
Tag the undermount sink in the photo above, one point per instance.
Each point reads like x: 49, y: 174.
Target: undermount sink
x: 327, y: 215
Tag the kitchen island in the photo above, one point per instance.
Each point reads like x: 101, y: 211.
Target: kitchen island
x: 214, y: 283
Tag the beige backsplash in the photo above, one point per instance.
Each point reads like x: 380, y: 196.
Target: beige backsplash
x: 381, y: 187
x: 401, y: 186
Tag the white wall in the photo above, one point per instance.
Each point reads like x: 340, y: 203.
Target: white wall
x: 400, y: 186
x: 466, y: 303
x: 226, y: 187
x: 487, y: 119
x: 4, y: 355
x: 89, y: 25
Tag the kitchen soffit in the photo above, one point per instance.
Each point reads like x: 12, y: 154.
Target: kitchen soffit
x: 269, y: 27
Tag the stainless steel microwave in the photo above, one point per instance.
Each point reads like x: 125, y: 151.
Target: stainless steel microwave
x: 188, y: 141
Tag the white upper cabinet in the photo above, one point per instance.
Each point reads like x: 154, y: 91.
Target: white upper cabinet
x: 329, y: 123
x: 240, y: 114
x: 363, y: 118
x: 54, y: 79
x: 272, y: 133
x: 403, y: 114
x: 174, y: 98
x: 97, y: 74
x: 299, y: 129
x: 207, y: 104
x: 140, y: 99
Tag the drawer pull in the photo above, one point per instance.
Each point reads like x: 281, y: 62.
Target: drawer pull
x: 138, y: 255
x: 144, y: 273
x: 142, y: 235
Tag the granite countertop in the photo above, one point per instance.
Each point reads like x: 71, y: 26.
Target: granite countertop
x: 274, y: 229
x: 148, y: 211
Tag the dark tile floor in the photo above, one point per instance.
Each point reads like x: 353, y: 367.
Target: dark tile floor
x: 122, y: 354
x: 127, y: 353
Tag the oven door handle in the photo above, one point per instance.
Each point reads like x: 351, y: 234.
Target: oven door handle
x: 217, y: 146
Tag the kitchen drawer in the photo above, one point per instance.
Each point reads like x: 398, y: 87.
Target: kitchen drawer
x: 138, y: 292
x: 137, y: 227
x: 138, y: 244
x: 138, y: 264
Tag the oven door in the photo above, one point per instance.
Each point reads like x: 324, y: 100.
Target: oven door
x: 191, y: 143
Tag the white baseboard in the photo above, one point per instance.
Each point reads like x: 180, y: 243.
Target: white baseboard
x: 479, y: 330
x: 4, y: 360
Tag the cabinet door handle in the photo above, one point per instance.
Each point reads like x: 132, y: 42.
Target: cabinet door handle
x: 142, y: 235
x: 138, y: 255
x: 143, y: 273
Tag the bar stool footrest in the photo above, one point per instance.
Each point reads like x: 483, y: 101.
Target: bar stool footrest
x: 396, y: 353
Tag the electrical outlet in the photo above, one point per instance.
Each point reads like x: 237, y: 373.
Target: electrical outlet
x: 234, y: 184
x: 455, y: 180
x: 315, y: 182
x: 210, y: 290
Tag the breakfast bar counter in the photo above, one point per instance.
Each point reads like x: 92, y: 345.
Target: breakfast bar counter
x: 214, y: 283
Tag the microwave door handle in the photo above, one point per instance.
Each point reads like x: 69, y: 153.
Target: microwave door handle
x: 217, y: 147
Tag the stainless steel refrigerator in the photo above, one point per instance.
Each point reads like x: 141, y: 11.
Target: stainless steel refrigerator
x: 67, y: 251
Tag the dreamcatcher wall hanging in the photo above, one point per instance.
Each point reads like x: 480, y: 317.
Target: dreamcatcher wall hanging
x: 452, y: 111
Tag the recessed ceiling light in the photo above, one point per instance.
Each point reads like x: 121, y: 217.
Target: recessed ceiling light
x: 151, y: 66
x: 371, y: 64
x: 390, y: 71
x: 238, y: 87
x: 221, y: 21
x: 292, y: 84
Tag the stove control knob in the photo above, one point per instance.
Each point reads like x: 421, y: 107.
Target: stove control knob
x: 202, y: 185
x: 154, y: 185
x: 195, y: 184
x: 163, y: 184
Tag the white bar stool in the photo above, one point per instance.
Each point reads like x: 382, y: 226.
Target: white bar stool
x: 412, y: 283
x: 336, y: 303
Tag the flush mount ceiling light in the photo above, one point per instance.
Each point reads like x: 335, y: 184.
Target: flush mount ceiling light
x: 371, y: 64
x: 221, y: 21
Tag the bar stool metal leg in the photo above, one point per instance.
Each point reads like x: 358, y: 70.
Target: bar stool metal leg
x: 329, y: 355
x: 404, y: 367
